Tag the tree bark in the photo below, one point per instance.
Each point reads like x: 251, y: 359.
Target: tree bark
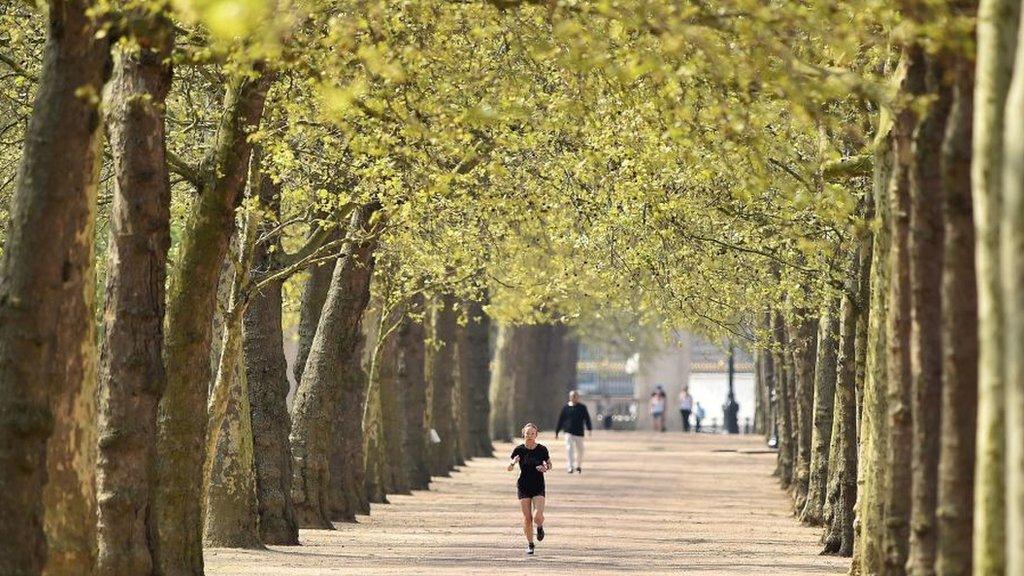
x: 373, y: 426
x: 955, y: 512
x: 191, y: 298
x: 873, y: 425
x: 997, y: 39
x: 132, y: 374
x: 925, y: 258
x: 396, y: 474
x: 804, y: 347
x: 897, y: 496
x: 502, y: 385
x: 440, y: 374
x: 1012, y: 260
x: 314, y: 294
x: 475, y: 369
x: 231, y: 509
x: 785, y: 464
x: 348, y: 460
x: 266, y: 373
x: 412, y: 381
x: 824, y: 403
x: 328, y: 382
x: 47, y: 350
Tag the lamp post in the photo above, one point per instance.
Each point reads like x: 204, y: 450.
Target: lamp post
x: 731, y: 409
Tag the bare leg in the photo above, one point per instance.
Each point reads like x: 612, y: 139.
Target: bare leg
x: 538, y: 515
x: 527, y: 506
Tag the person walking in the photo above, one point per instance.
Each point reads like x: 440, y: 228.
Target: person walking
x: 685, y: 407
x: 571, y: 420
x: 698, y: 415
x: 534, y: 461
x: 657, y: 406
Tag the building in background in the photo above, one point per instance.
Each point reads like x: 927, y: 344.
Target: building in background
x: 623, y: 385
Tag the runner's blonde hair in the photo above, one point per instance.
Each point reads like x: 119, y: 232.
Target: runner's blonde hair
x: 529, y: 425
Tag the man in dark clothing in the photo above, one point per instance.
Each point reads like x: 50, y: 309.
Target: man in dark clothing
x: 573, y: 418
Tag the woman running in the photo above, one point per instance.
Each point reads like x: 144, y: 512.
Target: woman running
x: 534, y: 461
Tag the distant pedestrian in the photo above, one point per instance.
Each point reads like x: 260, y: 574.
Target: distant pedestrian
x: 685, y: 408
x: 534, y: 461
x: 698, y: 415
x: 657, y: 406
x: 573, y: 418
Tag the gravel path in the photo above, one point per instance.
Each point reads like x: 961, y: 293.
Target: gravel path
x: 645, y: 504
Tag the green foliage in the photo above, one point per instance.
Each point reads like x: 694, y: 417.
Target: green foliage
x: 657, y: 161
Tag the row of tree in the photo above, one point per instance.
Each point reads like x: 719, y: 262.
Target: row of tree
x: 897, y: 397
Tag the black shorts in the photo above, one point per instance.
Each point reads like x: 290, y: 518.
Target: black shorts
x: 530, y: 489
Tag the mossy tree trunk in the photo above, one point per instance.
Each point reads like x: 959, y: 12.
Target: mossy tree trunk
x: 191, y: 299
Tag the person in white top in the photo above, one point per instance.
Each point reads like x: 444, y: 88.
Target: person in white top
x: 685, y: 407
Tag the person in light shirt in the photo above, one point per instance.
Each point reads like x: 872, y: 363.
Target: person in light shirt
x: 685, y: 407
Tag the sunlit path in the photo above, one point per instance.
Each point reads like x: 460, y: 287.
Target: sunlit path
x: 646, y: 504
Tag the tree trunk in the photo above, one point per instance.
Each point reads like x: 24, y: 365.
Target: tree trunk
x: 440, y: 373
x: 47, y: 350
x: 475, y: 370
x: 785, y: 465
x: 327, y: 381
x: 896, y: 503
x: 502, y: 385
x: 804, y: 356
x: 132, y: 375
x: 563, y: 354
x: 824, y: 403
x: 955, y: 512
x: 925, y: 255
x: 314, y: 294
x: 348, y: 461
x: 231, y: 509
x: 266, y: 373
x: 1012, y: 257
x: 997, y: 39
x: 396, y: 474
x: 842, y: 410
x: 373, y: 425
x: 873, y: 425
x: 191, y: 298
x: 412, y: 382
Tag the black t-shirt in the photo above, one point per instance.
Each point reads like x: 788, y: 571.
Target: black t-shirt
x: 528, y: 462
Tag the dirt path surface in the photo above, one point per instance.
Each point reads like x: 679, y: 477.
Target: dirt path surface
x: 645, y: 504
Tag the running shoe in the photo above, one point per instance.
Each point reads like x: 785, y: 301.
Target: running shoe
x: 529, y: 550
x: 579, y: 470
x: 540, y: 532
